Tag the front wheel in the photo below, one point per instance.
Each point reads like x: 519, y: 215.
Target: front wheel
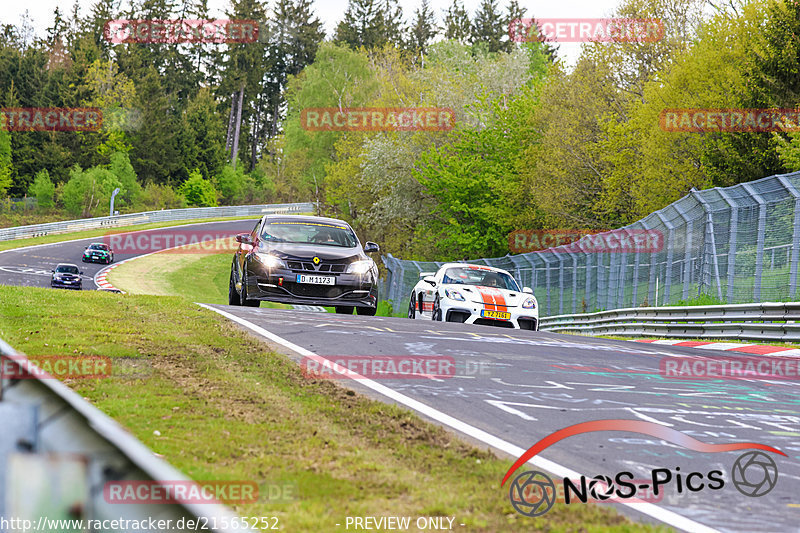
x: 436, y: 314
x: 233, y: 294
x: 245, y: 301
x: 344, y: 310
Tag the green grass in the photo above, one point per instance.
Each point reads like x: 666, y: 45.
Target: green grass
x: 198, y: 277
x: 226, y: 407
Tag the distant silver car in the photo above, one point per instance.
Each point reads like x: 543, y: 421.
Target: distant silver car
x: 66, y: 276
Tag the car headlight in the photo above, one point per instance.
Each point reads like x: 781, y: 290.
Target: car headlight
x: 360, y: 267
x: 454, y: 295
x: 530, y: 303
x: 271, y: 261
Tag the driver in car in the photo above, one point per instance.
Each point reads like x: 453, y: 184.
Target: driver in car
x: 323, y: 236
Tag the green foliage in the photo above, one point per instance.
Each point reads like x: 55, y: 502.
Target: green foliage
x: 199, y: 192
x: 43, y: 190
x: 155, y: 197
x: 6, y: 168
x: 88, y: 192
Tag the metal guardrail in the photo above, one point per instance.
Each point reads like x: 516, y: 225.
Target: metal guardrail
x: 46, y: 424
x: 771, y: 321
x: 147, y: 217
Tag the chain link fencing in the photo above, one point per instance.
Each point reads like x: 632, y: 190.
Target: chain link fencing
x: 734, y: 244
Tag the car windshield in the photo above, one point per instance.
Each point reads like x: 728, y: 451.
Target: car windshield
x: 309, y: 233
x: 67, y: 269
x: 479, y: 276
x: 98, y: 247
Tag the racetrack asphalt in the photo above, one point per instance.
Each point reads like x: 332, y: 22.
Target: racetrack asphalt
x: 31, y: 266
x: 521, y: 386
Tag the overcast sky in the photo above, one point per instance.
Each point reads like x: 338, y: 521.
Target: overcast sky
x: 331, y: 11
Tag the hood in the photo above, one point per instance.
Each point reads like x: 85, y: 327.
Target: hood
x: 309, y: 251
x: 490, y: 295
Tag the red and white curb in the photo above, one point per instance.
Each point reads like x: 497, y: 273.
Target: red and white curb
x: 100, y: 278
x: 753, y: 349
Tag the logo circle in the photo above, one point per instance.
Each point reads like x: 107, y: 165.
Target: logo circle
x: 532, y: 493
x: 754, y: 474
x: 316, y: 260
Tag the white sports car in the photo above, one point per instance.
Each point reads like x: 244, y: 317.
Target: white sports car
x: 473, y: 294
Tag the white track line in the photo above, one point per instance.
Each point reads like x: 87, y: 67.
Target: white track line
x: 663, y: 515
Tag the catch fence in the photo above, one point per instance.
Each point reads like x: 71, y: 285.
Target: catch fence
x: 734, y: 244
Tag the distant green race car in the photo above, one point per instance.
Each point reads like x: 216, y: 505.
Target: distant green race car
x: 98, y: 252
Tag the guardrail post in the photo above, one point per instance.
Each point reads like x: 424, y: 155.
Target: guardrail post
x: 795, y: 235
x: 762, y: 226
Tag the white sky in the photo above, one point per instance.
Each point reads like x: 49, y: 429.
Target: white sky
x: 331, y: 11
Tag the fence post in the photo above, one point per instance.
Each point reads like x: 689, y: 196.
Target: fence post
x: 795, y: 235
x: 610, y: 284
x: 762, y: 226
x: 668, y: 266
x: 708, y: 236
x: 587, y: 295
x: 732, y: 232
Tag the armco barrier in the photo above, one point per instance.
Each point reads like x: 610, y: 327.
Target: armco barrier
x: 147, y: 217
x: 770, y: 321
x: 70, y: 449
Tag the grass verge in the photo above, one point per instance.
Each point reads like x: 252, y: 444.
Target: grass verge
x: 217, y: 404
x: 198, y: 277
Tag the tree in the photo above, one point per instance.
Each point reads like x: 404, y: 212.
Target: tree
x: 423, y: 28
x: 489, y: 26
x: 43, y: 190
x: 457, y: 25
x: 198, y: 192
x: 6, y: 167
x: 371, y: 24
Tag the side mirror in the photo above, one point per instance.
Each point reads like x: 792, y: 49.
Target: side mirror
x: 53, y: 271
x: 81, y: 272
x: 243, y: 238
x: 371, y: 247
x: 431, y: 280
x: 527, y: 290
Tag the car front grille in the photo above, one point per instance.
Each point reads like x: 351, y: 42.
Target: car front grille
x: 304, y: 266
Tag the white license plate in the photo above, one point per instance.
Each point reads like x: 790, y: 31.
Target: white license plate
x: 316, y: 280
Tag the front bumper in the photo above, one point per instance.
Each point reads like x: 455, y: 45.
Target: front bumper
x: 470, y: 313
x: 96, y: 259
x: 280, y: 286
x: 59, y: 284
